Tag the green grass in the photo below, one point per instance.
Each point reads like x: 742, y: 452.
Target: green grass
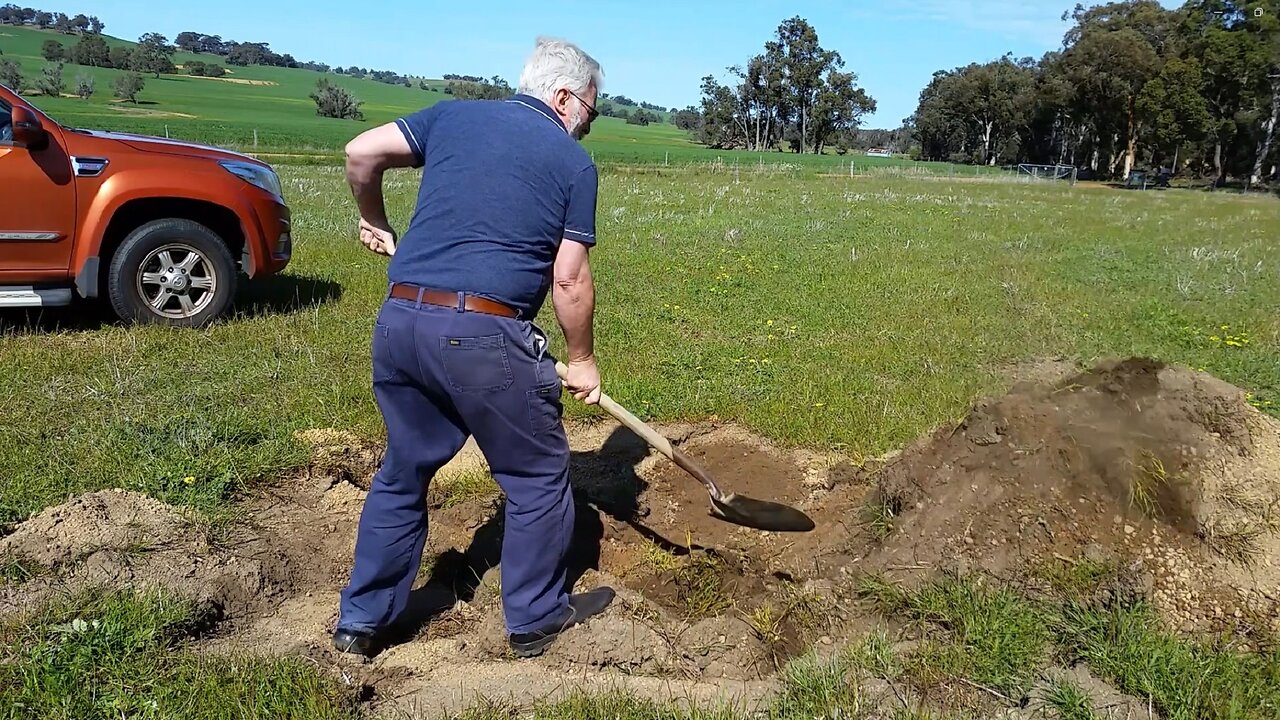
x: 1002, y: 640
x: 991, y: 636
x: 463, y: 485
x: 1202, y: 680
x: 1070, y: 702
x: 110, y: 654
x: 699, y: 589
x: 835, y: 313
x: 98, y: 654
x: 221, y: 112
x: 1074, y: 579
x: 17, y: 569
x: 814, y: 687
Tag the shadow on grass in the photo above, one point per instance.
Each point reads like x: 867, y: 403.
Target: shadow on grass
x: 604, y: 482
x: 275, y: 295
x: 80, y: 316
x: 283, y: 294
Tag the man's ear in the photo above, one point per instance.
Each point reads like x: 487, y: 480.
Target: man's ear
x: 560, y: 101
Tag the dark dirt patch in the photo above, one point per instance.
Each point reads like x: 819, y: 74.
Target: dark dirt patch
x: 679, y: 506
x: 705, y: 584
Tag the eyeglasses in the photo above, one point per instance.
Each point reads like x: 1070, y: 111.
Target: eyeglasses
x: 592, y: 113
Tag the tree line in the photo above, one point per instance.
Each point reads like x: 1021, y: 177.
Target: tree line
x: 793, y: 95
x: 152, y: 54
x: 82, y: 24
x: 1194, y: 89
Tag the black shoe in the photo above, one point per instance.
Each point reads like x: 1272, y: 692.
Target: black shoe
x: 581, y: 607
x: 357, y: 642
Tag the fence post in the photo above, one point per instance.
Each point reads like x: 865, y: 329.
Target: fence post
x: 255, y: 138
x: 166, y: 130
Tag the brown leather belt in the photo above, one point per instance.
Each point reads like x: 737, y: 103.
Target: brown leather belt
x: 445, y: 298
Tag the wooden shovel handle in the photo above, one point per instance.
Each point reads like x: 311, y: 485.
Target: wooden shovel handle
x: 623, y: 416
x: 653, y: 437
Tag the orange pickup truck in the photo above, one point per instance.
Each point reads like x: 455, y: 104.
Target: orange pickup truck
x: 162, y: 229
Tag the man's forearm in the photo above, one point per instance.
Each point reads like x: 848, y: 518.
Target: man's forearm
x: 365, y: 180
x: 574, y: 303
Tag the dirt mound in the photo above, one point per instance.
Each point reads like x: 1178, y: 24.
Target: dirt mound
x: 115, y: 538
x: 288, y: 546
x: 1135, y: 464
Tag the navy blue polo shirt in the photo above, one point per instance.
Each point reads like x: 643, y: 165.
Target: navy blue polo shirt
x: 503, y: 182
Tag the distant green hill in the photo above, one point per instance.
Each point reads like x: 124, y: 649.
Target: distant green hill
x: 273, y: 101
x: 274, y: 105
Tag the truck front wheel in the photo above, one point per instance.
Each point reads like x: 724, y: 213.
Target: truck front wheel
x: 171, y: 272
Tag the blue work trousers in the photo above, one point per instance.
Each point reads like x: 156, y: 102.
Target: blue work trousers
x: 441, y: 375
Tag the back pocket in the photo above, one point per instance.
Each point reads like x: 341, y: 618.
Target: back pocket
x: 476, y: 364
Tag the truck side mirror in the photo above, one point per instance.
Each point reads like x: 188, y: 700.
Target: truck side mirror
x: 27, y: 130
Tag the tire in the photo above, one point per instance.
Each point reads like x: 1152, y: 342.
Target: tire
x: 172, y: 272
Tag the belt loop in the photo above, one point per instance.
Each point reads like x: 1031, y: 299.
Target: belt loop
x: 390, y: 287
x: 420, y: 291
x: 462, y: 301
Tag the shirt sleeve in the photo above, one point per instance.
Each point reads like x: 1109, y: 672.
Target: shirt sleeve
x: 580, y: 218
x: 415, y: 128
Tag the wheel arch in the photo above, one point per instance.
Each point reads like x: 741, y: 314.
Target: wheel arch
x: 133, y: 214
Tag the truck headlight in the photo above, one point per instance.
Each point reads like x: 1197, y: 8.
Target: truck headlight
x: 256, y: 175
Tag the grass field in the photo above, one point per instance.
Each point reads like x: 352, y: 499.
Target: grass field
x: 277, y: 105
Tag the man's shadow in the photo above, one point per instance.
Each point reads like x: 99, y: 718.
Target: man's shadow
x: 604, y: 482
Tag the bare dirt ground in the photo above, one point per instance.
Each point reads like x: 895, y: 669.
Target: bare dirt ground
x: 1163, y: 471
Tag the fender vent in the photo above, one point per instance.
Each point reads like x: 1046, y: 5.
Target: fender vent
x: 89, y: 166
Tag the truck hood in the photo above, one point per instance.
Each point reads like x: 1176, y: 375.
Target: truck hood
x: 148, y: 143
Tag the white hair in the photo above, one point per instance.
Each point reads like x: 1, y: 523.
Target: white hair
x: 556, y: 64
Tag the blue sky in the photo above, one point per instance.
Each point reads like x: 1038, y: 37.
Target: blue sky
x: 652, y: 50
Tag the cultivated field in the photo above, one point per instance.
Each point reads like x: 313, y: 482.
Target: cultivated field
x: 1097, y: 541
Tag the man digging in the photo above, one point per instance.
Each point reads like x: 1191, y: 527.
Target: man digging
x: 505, y: 213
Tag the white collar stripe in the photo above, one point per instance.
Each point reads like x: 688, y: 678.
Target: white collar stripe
x: 540, y: 112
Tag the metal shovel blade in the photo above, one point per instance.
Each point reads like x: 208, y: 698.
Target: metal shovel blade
x: 749, y: 512
x: 761, y: 514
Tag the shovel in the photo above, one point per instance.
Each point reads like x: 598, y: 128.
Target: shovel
x: 737, y: 509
